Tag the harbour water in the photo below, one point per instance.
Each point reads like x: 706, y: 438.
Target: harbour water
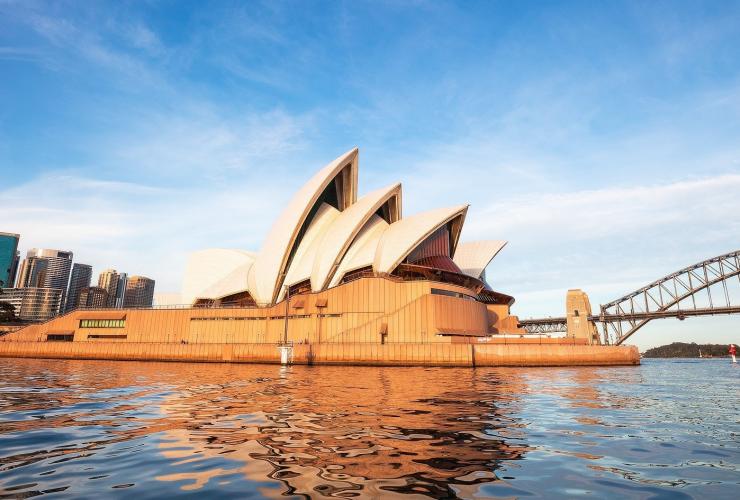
x: 95, y: 429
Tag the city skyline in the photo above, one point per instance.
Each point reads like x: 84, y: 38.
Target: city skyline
x: 42, y: 271
x: 593, y: 138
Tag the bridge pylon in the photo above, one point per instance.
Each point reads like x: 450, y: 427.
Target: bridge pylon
x: 578, y: 317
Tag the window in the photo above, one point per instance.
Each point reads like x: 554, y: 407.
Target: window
x: 106, y: 336
x: 60, y: 337
x: 450, y: 293
x: 102, y: 323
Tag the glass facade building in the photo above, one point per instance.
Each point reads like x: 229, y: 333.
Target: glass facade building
x: 58, y: 267
x: 139, y: 292
x: 8, y: 259
x: 32, y: 303
x: 81, y: 277
x: 109, y: 280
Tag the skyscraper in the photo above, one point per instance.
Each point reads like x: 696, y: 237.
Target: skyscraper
x: 33, y: 272
x: 8, y: 258
x: 93, y: 297
x: 81, y: 278
x: 108, y: 280
x: 59, y: 264
x: 121, y: 291
x: 14, y: 269
x: 32, y: 303
x: 139, y: 292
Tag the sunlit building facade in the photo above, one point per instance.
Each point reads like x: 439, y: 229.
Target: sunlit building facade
x: 33, y: 303
x: 80, y: 279
x: 139, y: 292
x: 93, y: 297
x: 109, y: 280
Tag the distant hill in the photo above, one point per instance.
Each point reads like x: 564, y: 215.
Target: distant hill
x: 684, y: 350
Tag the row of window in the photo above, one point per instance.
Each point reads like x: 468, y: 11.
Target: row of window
x: 64, y: 337
x: 450, y: 293
x: 60, y: 337
x: 102, y: 323
x: 292, y: 316
x: 226, y: 319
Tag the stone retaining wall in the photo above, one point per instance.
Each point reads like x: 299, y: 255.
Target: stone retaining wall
x: 337, y: 354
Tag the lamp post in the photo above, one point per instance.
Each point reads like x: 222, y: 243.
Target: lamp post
x: 287, y: 310
x: 286, y: 350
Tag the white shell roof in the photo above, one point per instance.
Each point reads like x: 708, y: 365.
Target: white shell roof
x: 265, y: 277
x: 472, y: 257
x: 336, y: 241
x: 306, y: 254
x: 405, y: 235
x: 362, y: 251
x: 344, y: 230
x: 215, y: 272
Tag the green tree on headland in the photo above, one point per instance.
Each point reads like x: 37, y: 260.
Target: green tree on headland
x: 684, y: 350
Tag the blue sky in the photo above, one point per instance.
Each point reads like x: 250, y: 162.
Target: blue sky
x: 602, y: 139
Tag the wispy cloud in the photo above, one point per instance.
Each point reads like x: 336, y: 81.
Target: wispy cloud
x: 606, y: 151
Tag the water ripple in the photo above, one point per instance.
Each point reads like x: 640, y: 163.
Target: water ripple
x: 91, y: 429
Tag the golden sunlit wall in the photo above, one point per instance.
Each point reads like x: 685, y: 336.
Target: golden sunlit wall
x: 368, y: 310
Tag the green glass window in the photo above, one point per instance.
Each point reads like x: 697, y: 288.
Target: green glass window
x: 102, y: 323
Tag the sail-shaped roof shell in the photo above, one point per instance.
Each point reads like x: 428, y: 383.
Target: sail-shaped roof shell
x: 346, y: 227
x: 215, y: 272
x: 307, y: 252
x: 266, y: 276
x: 361, y: 252
x: 402, y: 237
x: 472, y: 257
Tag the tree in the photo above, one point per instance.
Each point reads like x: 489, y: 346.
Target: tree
x: 7, y: 311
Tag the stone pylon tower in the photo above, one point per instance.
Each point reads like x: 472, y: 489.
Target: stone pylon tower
x: 578, y: 309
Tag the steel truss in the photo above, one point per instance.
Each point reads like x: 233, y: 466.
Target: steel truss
x: 544, y: 325
x: 674, y: 295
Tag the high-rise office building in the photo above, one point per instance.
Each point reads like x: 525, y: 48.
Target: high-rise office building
x: 33, y: 272
x: 93, y: 297
x: 58, y: 268
x: 33, y: 303
x: 139, y: 292
x: 81, y: 278
x: 121, y: 290
x: 14, y: 269
x: 8, y: 259
x: 109, y: 280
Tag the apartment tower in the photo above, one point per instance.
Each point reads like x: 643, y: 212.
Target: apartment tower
x: 93, y: 297
x: 33, y: 272
x: 139, y: 292
x: 109, y: 280
x: 59, y: 265
x: 81, y: 279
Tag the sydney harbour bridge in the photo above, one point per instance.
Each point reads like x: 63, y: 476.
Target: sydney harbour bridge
x: 702, y: 289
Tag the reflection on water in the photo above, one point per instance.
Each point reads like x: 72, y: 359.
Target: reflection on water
x: 666, y: 429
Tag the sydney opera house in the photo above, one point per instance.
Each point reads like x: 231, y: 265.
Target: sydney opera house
x: 340, y: 278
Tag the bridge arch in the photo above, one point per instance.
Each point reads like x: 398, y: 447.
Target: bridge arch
x: 674, y: 295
